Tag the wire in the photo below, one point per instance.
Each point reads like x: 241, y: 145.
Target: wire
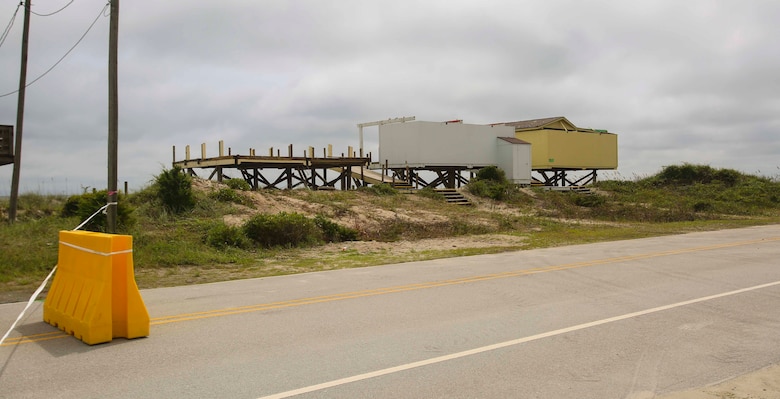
x: 48, y: 15
x: 10, y: 25
x: 63, y: 57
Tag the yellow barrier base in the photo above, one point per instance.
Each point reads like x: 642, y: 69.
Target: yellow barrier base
x: 94, y: 296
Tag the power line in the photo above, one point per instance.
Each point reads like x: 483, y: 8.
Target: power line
x: 66, y: 54
x: 50, y: 14
x: 10, y: 25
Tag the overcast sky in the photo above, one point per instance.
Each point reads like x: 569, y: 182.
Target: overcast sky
x: 679, y: 81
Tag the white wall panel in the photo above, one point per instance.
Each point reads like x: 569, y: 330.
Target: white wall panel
x: 418, y: 144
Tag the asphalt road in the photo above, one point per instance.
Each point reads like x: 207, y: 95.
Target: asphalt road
x: 627, y: 319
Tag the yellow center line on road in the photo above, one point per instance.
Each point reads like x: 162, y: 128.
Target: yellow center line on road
x: 402, y: 288
x: 434, y: 284
x: 26, y: 339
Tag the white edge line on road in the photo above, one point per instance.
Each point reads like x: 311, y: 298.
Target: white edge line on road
x: 440, y: 359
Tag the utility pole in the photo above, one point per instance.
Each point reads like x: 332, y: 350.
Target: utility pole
x: 113, y: 119
x: 20, y: 117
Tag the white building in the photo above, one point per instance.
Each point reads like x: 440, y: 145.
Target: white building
x: 453, y: 147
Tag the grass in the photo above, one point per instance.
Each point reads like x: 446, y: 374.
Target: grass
x: 559, y: 234
x: 175, y: 249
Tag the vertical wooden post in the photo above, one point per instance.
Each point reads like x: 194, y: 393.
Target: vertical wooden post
x: 221, y: 148
x: 113, y: 118
x: 12, y: 206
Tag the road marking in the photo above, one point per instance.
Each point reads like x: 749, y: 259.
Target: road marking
x: 500, y: 345
x: 442, y: 283
x: 156, y: 321
x: 26, y: 339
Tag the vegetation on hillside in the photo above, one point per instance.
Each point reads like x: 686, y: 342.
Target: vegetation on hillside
x: 491, y: 182
x: 176, y: 225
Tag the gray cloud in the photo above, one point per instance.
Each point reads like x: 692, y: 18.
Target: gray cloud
x: 680, y: 82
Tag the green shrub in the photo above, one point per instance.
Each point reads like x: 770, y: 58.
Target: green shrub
x: 85, y: 205
x: 491, y: 182
x: 588, y: 201
x: 688, y: 174
x: 282, y: 229
x: 491, y: 173
x: 230, y: 195
x: 71, y: 206
x: 222, y: 236
x: 381, y: 189
x: 479, y: 188
x: 174, y: 190
x: 334, y: 232
x: 238, y: 184
x: 489, y: 189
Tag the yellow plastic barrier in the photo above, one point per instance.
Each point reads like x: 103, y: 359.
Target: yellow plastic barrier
x: 94, y: 296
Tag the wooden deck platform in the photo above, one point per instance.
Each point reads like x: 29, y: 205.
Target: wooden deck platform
x: 277, y: 171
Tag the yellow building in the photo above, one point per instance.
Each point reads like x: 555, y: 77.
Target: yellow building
x: 557, y: 143
x: 557, y: 146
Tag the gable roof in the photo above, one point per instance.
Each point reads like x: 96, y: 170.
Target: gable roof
x: 555, y: 123
x: 534, y: 123
x: 513, y: 140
